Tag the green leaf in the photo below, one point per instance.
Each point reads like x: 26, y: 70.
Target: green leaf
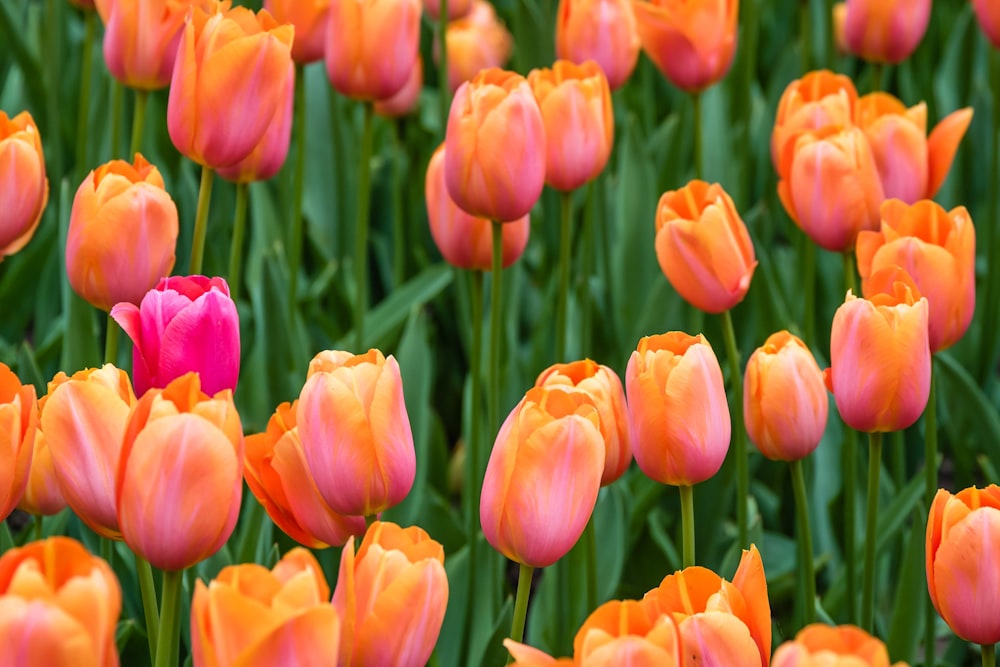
x: 911, y: 596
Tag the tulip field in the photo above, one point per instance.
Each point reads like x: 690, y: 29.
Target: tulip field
x: 392, y: 333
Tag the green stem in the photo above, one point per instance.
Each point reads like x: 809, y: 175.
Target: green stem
x: 298, y: 185
x: 398, y: 221
x: 496, y: 278
x: 562, y: 304
x: 808, y: 289
x: 107, y: 548
x: 590, y: 545
x: 805, y: 32
x: 201, y: 220
x: 878, y: 72
x: 805, y: 540
x: 361, y: 230
x: 930, y: 489
x: 239, y: 230
x: 991, y: 308
x: 897, y: 457
x: 111, y: 342
x: 739, y: 435
x: 117, y: 96
x: 850, y: 275
x: 169, y: 632
x: 521, y: 603
x: 989, y: 655
x: 586, y: 260
x: 444, y: 96
x: 147, y: 591
x: 369, y: 520
x: 83, y: 106
x: 38, y: 533
x: 871, y: 522
x: 850, y: 475
x: 698, y: 171
x: 138, y: 122
x: 687, y: 525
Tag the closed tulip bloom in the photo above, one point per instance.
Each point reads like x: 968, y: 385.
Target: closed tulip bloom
x: 988, y: 15
x: 475, y: 42
x: 122, y: 233
x: 355, y: 431
x: 691, y: 41
x: 885, y: 31
x: 784, y: 399
x: 464, y: 240
x: 456, y: 9
x: 820, y: 645
x: 231, y: 70
x: 623, y: 632
x: 391, y: 596
x: 600, y: 30
x: 963, y: 566
x: 249, y: 615
x: 184, y: 324
x: 309, y: 17
x: 59, y: 606
x: 42, y: 495
x: 180, y: 478
x: 818, y: 99
x: 575, y: 102
x: 279, y: 478
x: 18, y: 423
x: 406, y: 99
x: 495, y: 156
x: 677, y: 404
x: 24, y: 190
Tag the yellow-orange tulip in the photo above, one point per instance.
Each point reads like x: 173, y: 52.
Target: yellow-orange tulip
x: 180, y: 478
x: 18, y: 423
x: 24, y: 190
x: 59, y: 606
x: 818, y: 99
x: 625, y: 633
x: 600, y: 30
x: 391, y: 596
x: 249, y: 615
x: 988, y: 16
x: 691, y: 41
x: 42, y: 495
x: 884, y: 31
x: 279, y: 478
x: 475, y: 42
x: 820, y: 645
x: 575, y: 102
x: 406, y: 99
x: 309, y: 18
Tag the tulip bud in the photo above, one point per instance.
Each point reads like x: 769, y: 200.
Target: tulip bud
x: 406, y: 100
x: 885, y: 31
x: 475, y: 42
x: 309, y: 17
x: 840, y: 646
x: 600, y: 30
x: 24, y: 190
x: 818, y: 99
x: 18, y: 422
x: 988, y: 15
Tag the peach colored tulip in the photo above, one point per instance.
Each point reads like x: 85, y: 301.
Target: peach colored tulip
x: 677, y: 405
x: 820, y: 645
x: 720, y: 623
x: 475, y: 42
x: 600, y: 30
x: 391, y: 596
x: 884, y: 31
x: 24, y: 190
x: 575, y: 102
x: 938, y: 250
x: 371, y: 46
x: 988, y: 15
x: 42, y: 495
x: 911, y: 164
x: 232, y: 68
x: 605, y: 390
x: 466, y: 241
x: 543, y: 476
x: 703, y: 246
x: 784, y: 400
x: 84, y: 422
x: 818, y: 99
x: 406, y: 99
x: 279, y: 478
x: 830, y: 185
x: 309, y: 18
x: 457, y: 9
x: 963, y: 566
x: 249, y: 615
x: 122, y: 233
x: 495, y: 156
x: 18, y: 423
x: 880, y: 359
x: 355, y: 431
x: 691, y: 41
x: 180, y: 478
x: 59, y: 606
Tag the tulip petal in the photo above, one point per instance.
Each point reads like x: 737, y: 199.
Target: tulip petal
x: 942, y: 146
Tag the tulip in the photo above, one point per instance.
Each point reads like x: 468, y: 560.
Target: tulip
x: 818, y: 99
x: 279, y: 478
x: 600, y: 30
x: 527, y: 656
x: 391, y: 596
x: 884, y: 31
x: 988, y: 15
x: 495, y: 156
x: 231, y: 70
x: 355, y: 431
x: 42, y: 495
x: 543, y: 476
x: 476, y: 42
x: 691, y: 41
x: 457, y: 9
x: 249, y: 615
x: 466, y: 241
x: 180, y: 477
x: 784, y: 402
x: 24, y: 190
x: 309, y: 17
x: 18, y: 422
x: 819, y: 645
x: 830, y: 185
x: 677, y: 405
x: 184, y: 324
x: 122, y: 233
x: 575, y: 102
x: 963, y: 566
x: 407, y: 98
x: 602, y: 386
x: 59, y: 606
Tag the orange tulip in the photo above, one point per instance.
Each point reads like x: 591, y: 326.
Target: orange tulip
x: 543, y: 476
x: 84, y: 422
x: 600, y: 30
x: 963, y: 566
x: 24, y: 190
x: 818, y: 99
x: 309, y: 18
x: 988, y: 16
x: 575, y: 102
x: 18, y: 422
x: 703, y: 246
x: 625, y: 633
x: 677, y: 404
x: 279, y: 478
x: 527, y: 656
x: 819, y: 645
x: 475, y: 42
x: 249, y: 615
x: 42, y: 495
x: 466, y: 241
x: 884, y: 31
x: 406, y: 99
x: 457, y: 9
x: 784, y: 402
x: 371, y: 46
x: 122, y: 233
x: 938, y: 250
x: 495, y: 157
x: 232, y: 68
x: 58, y: 606
x: 602, y: 386
x: 180, y: 478
x: 720, y: 623
x: 391, y: 596
x: 691, y: 41
x: 355, y: 431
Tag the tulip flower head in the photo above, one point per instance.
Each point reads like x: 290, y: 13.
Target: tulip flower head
x: 840, y: 646
x: 42, y: 495
x: 24, y: 189
x: 988, y: 15
x: 884, y: 31
x: 475, y: 42
x: 600, y: 30
x: 405, y: 100
x: 309, y: 18
x: 18, y: 423
x: 818, y: 99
